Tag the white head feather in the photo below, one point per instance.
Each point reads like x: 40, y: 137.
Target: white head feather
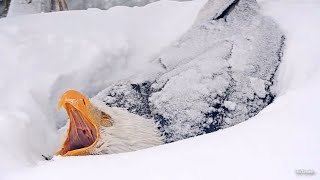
x: 129, y: 132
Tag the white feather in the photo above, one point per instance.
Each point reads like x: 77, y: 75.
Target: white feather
x: 129, y: 132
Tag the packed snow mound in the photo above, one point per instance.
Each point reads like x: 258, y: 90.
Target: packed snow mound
x: 218, y: 74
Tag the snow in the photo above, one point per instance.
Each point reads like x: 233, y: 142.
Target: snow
x: 282, y: 138
x: 105, y: 4
x: 230, y: 105
x: 45, y: 54
x: 23, y: 7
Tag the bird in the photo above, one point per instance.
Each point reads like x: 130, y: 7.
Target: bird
x: 95, y: 128
x: 220, y: 73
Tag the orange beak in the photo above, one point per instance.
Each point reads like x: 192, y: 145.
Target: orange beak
x: 83, y: 131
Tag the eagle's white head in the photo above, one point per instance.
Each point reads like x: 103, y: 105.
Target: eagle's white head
x: 95, y: 128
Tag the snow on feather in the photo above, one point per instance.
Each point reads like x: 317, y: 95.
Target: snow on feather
x: 231, y: 54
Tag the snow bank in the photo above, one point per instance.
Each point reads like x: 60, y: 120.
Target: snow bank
x: 43, y: 55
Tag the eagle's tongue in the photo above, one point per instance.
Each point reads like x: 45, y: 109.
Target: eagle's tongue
x: 81, y: 133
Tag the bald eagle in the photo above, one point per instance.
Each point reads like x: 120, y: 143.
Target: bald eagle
x: 218, y: 74
x: 95, y: 128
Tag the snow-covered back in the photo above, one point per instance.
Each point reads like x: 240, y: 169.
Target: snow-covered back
x: 230, y: 54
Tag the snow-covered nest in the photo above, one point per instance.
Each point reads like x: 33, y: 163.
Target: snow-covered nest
x: 42, y: 54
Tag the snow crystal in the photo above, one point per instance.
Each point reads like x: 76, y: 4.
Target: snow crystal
x: 230, y: 105
x: 258, y: 86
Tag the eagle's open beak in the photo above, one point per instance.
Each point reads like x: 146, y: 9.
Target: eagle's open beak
x: 83, y: 131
